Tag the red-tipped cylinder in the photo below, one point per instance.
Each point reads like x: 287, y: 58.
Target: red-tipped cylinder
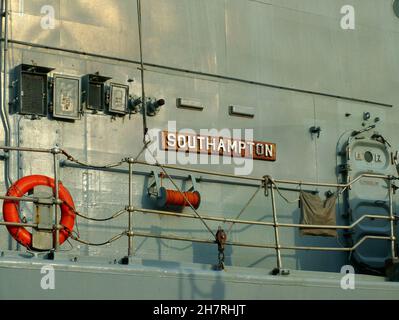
x: 175, y: 198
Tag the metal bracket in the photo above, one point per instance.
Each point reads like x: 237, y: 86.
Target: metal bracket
x: 281, y: 272
x: 155, y: 184
x: 344, y: 168
x: 134, y: 104
x: 194, y: 183
x: 154, y: 106
x: 315, y: 130
x: 42, y: 237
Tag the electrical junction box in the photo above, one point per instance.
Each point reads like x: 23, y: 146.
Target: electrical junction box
x: 118, y: 98
x: 31, y: 95
x: 66, y: 97
x: 93, y: 92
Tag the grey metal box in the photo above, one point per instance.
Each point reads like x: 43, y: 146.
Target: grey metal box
x: 93, y: 93
x: 31, y: 91
x: 66, y: 97
x: 118, y: 99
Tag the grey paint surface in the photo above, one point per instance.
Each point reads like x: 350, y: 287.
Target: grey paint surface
x: 294, y: 44
x: 174, y: 280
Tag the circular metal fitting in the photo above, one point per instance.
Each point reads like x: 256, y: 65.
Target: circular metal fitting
x: 56, y: 150
x: 129, y: 160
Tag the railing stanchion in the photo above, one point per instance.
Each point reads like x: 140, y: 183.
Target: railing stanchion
x: 130, y: 210
x: 392, y: 216
x: 55, y: 152
x: 275, y: 225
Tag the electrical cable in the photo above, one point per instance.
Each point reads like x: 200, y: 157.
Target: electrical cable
x: 115, y: 215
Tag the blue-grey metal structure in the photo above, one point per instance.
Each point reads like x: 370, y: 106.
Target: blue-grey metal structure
x: 290, y: 65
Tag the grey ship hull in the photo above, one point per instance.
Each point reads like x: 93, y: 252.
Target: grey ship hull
x: 289, y: 63
x: 161, y: 280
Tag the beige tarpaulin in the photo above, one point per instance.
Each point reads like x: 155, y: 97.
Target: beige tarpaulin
x: 316, y: 211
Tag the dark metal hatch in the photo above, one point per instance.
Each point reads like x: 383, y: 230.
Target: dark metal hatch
x: 32, y: 89
x: 93, y: 91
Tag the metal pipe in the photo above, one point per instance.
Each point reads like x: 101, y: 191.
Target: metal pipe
x: 18, y: 224
x: 4, y: 109
x: 143, y: 99
x: 315, y: 226
x: 130, y: 210
x: 199, y: 73
x: 336, y: 249
x: 262, y: 246
x: 392, y: 218
x: 170, y: 237
x: 56, y: 195
x: 214, y: 173
x: 276, y: 233
x: 209, y: 218
x: 70, y: 164
x: 260, y: 223
x: 26, y: 199
x: 40, y: 150
x: 296, y: 182
x: 338, y: 185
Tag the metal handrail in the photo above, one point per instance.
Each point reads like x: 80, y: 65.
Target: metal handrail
x: 17, y: 224
x: 26, y: 199
x: 337, y: 185
x: 262, y: 223
x: 263, y: 246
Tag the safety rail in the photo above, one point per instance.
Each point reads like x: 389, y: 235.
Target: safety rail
x: 267, y: 183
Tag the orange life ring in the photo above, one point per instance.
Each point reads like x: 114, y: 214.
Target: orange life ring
x: 26, y: 184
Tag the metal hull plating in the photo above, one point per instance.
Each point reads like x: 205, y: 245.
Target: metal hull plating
x: 170, y: 280
x: 290, y: 62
